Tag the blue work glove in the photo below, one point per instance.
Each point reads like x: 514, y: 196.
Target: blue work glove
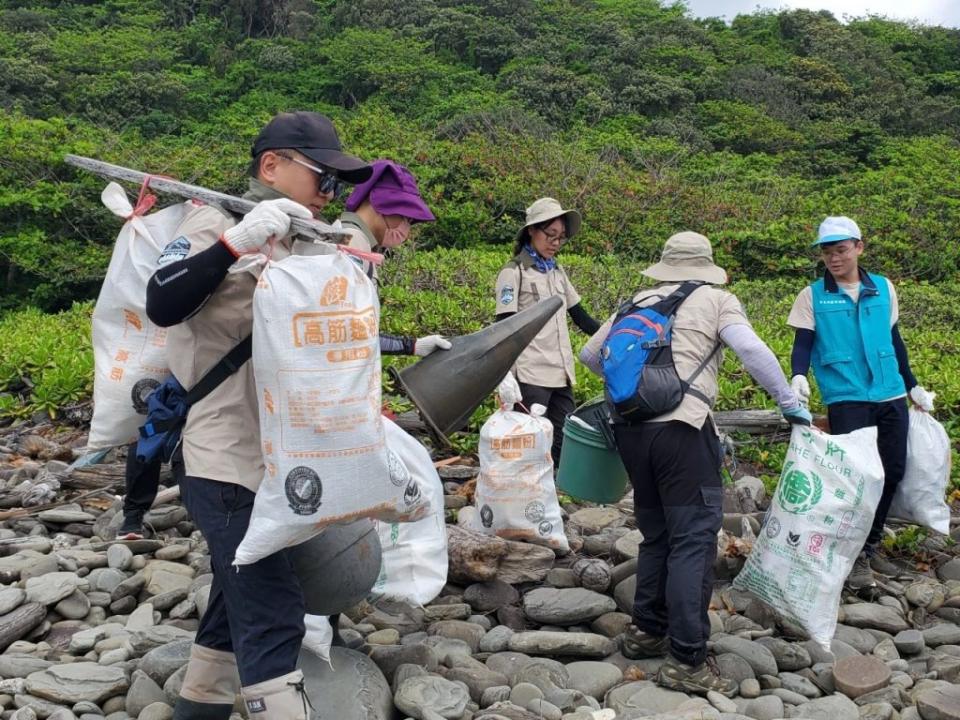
x: 798, y: 416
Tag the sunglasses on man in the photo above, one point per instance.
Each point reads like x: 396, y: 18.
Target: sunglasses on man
x: 327, y: 182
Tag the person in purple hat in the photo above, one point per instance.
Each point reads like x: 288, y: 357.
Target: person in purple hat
x: 380, y: 213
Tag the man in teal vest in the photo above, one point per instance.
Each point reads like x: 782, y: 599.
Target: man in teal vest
x: 846, y: 324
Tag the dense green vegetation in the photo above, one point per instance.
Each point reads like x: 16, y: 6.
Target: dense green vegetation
x: 46, y: 361
x: 646, y: 119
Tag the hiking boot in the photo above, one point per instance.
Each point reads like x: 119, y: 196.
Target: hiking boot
x: 675, y: 675
x: 132, y: 529
x: 636, y: 644
x: 861, y: 576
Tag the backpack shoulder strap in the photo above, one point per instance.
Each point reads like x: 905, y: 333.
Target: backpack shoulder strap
x: 215, y: 376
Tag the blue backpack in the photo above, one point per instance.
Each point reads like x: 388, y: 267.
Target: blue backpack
x: 641, y: 382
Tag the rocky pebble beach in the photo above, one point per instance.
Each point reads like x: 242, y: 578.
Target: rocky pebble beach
x: 93, y: 629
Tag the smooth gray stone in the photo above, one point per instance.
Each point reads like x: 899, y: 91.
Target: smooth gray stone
x: 760, y: 658
x: 566, y: 606
x: 143, y: 692
x: 354, y: 686
x: 419, y: 696
x: 832, y: 707
x: 161, y: 662
x: 77, y: 681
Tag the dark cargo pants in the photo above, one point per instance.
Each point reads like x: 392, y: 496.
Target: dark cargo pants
x: 893, y: 423
x: 678, y: 503
x: 255, y: 611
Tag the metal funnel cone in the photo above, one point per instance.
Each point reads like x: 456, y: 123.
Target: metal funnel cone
x: 448, y: 385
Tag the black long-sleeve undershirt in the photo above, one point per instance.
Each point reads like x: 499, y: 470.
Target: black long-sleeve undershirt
x: 178, y: 290
x: 803, y: 348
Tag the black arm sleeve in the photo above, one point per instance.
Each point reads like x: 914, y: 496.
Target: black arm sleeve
x: 901, y: 350
x: 503, y: 316
x: 802, y: 349
x: 178, y: 290
x: 397, y: 344
x: 582, y: 319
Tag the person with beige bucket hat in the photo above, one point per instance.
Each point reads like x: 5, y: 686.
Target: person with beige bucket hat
x: 544, y: 371
x: 674, y: 459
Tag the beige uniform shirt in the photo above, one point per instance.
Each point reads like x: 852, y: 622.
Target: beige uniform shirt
x: 221, y: 438
x: 696, y: 332
x: 361, y: 238
x: 548, y: 360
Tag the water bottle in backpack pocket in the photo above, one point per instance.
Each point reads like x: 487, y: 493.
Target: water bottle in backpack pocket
x: 641, y: 381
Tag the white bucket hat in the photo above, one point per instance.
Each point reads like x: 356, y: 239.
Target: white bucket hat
x: 546, y: 208
x: 687, y: 256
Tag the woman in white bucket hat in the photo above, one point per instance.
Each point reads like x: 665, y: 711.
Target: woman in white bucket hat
x: 545, y: 370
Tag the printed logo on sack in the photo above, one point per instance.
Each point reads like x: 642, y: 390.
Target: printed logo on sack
x: 304, y: 490
x: 411, y: 495
x: 399, y: 475
x: 815, y: 544
x: 486, y: 516
x: 335, y: 291
x: 847, y: 521
x: 799, y: 493
x: 506, y: 295
x: 773, y: 528
x: 174, y: 251
x: 141, y: 391
x: 257, y: 705
x: 545, y: 528
x: 793, y: 539
x: 535, y: 511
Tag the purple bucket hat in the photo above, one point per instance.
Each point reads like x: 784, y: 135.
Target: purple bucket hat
x: 392, y: 190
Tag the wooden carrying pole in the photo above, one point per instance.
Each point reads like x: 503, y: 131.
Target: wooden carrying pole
x: 310, y: 229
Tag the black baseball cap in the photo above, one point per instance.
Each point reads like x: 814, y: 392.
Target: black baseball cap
x: 313, y: 135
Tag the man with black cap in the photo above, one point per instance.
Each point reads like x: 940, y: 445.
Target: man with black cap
x: 250, y: 635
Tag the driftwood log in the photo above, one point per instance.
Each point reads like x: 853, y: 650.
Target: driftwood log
x: 474, y: 557
x: 16, y: 624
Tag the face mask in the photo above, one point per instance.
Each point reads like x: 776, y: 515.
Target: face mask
x: 394, y: 236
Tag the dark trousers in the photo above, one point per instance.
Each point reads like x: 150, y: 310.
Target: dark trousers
x: 892, y: 422
x: 678, y: 503
x: 141, y: 482
x: 255, y: 611
x: 559, y: 403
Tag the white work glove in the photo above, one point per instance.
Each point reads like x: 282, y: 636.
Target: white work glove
x: 268, y: 219
x: 509, y: 391
x: 922, y: 398
x: 801, y: 388
x: 426, y: 345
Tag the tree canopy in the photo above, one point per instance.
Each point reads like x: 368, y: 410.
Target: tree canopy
x: 648, y: 120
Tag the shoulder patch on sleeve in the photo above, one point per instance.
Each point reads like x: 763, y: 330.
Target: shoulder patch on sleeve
x: 174, y: 251
x: 506, y: 295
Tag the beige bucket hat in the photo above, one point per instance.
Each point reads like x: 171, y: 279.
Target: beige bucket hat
x: 687, y: 256
x: 546, y: 208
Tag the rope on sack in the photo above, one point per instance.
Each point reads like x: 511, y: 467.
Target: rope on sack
x: 145, y: 200
x: 371, y: 257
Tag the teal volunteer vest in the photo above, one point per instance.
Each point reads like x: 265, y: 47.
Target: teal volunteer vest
x: 853, y: 356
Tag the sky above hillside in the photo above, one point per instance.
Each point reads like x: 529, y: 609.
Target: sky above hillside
x: 931, y: 12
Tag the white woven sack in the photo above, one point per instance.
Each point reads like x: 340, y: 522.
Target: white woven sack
x: 414, y: 565
x: 318, y: 637
x: 129, y: 351
x: 515, y: 494
x: 316, y: 361
x: 920, y: 496
x: 817, y: 523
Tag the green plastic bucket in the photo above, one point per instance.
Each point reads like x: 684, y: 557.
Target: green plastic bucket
x: 590, y: 468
